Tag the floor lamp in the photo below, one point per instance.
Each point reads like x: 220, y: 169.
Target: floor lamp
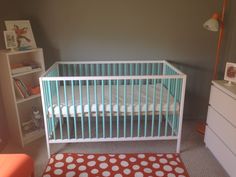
x: 216, y: 23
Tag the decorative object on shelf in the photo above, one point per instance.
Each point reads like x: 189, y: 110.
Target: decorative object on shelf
x: 216, y: 23
x: 35, y: 123
x: 37, y: 117
x: 10, y: 40
x: 24, y: 34
x: 230, y: 72
x: 35, y: 90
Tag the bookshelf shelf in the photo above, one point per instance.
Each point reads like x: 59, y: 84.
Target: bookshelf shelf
x: 22, y: 100
x: 28, y: 72
x: 31, y: 136
x: 16, y: 92
x: 8, y: 52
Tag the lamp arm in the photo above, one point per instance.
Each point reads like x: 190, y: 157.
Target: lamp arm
x: 223, y: 10
x: 219, y: 40
x: 217, y: 60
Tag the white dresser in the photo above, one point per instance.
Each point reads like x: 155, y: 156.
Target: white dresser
x: 220, y: 135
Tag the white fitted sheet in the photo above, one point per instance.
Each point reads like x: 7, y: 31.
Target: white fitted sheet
x: 99, y: 105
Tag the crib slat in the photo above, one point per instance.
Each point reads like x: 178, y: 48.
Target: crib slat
x: 154, y: 106
x: 180, y: 97
x: 147, y: 68
x: 46, y: 100
x: 81, y: 108
x: 98, y: 71
x: 159, y: 68
x: 139, y: 105
x: 69, y: 70
x: 86, y: 70
x: 132, y: 108
x: 51, y: 105
x: 92, y: 69
x: 167, y: 107
x: 74, y: 107
x: 153, y: 71
x: 120, y: 69
x: 108, y: 71
x: 142, y: 69
x: 75, y: 70
x: 179, y: 90
x: 67, y: 111
x: 89, y: 108
x: 114, y: 72
x: 63, y: 70
x: 146, y: 109
x: 124, y: 73
x: 177, y: 83
x: 81, y: 70
x: 91, y: 73
x: 103, y: 112
x: 46, y: 106
x: 103, y: 70
x: 136, y: 71
x: 59, y: 106
x: 125, y: 107
x: 110, y: 102
x: 120, y: 72
x: 130, y: 72
x: 117, y: 117
x: 160, y: 108
x: 96, y: 105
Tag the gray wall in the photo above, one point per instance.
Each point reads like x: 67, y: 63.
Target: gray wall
x: 133, y: 29
x: 228, y: 52
x: 9, y: 10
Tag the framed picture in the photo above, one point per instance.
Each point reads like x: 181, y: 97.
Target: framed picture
x: 24, y: 34
x: 230, y: 72
x: 10, y: 39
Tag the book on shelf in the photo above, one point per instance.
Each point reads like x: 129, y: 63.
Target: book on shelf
x: 19, y: 93
x: 21, y: 88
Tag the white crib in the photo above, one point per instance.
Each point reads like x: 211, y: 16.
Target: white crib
x: 112, y: 101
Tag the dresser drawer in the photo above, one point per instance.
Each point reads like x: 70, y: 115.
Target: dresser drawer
x: 222, y: 128
x: 224, y: 104
x: 221, y: 152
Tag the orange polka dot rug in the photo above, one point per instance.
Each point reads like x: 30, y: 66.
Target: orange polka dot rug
x: 117, y: 165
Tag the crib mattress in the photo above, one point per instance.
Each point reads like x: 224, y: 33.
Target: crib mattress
x: 121, y: 106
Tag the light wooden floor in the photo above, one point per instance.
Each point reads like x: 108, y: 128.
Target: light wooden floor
x: 197, y: 158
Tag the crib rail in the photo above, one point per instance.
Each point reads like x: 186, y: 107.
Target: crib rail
x: 92, y: 82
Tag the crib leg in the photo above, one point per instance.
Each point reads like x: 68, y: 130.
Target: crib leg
x: 178, y: 145
x: 48, y: 146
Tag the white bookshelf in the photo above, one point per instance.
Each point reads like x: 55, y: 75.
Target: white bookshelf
x: 18, y: 109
